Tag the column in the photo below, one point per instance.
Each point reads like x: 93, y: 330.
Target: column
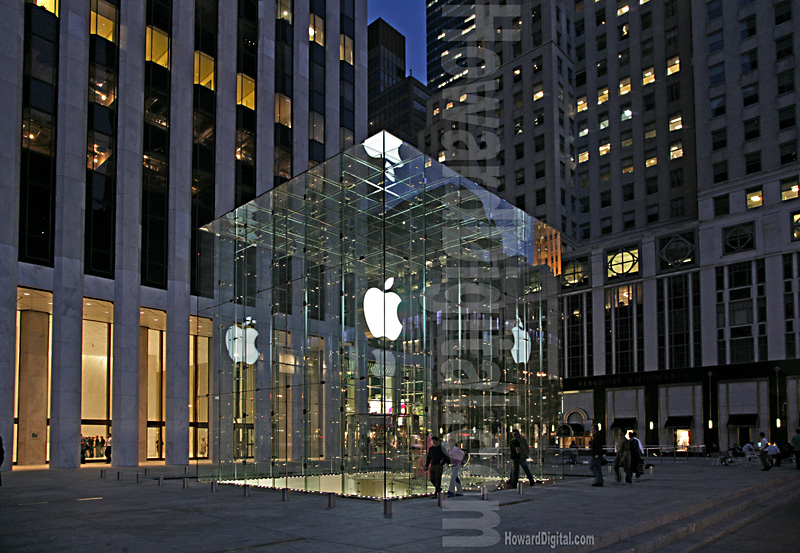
x: 65, y: 379
x: 11, y: 42
x: 34, y: 344
x: 300, y: 91
x: 225, y: 133
x: 125, y: 383
x: 362, y: 130
x: 265, y: 98
x: 180, y: 201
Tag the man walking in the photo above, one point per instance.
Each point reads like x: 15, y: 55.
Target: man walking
x: 519, y: 458
x: 596, y: 452
x: 623, y: 458
x: 456, y: 455
x: 763, y: 446
x: 436, y: 460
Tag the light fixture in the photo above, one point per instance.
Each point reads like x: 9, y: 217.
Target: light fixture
x: 651, y: 425
x: 710, y: 424
x: 777, y: 423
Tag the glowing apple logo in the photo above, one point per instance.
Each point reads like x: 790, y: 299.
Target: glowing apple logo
x: 521, y: 349
x: 241, y: 342
x: 380, y: 312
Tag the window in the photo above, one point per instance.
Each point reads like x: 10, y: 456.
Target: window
x: 627, y: 193
x: 783, y: 47
x: 717, y: 106
x: 157, y: 46
x: 650, y: 158
x: 738, y: 238
x: 752, y: 162
x: 628, y: 220
x: 626, y: 138
x: 754, y: 198
x: 750, y: 94
x: 646, y: 47
x: 786, y: 117
x: 647, y: 20
x: 583, y: 129
x: 650, y: 130
x: 789, y: 189
x: 601, y: 42
x: 649, y: 102
x: 581, y: 104
x: 316, y: 29
x: 671, y: 36
x: 541, y: 196
x: 625, y: 112
x: 648, y: 76
x: 519, y: 150
x: 283, y: 10
x: 517, y: 78
x: 674, y: 92
x: 283, y: 110
x: 720, y: 171
x: 519, y: 127
x: 245, y: 91
x: 676, y: 178
x: 675, y: 122
x: 316, y: 126
x: 622, y: 262
x: 677, y: 207
x: 624, y: 57
x: 345, y: 49
x: 715, y: 41
x: 788, y: 151
x: 602, y: 95
x: 538, y: 143
x: 605, y: 173
x: 714, y: 9
x: 670, y: 8
x: 203, y: 70
x: 627, y: 165
x: 651, y: 185
x: 795, y: 226
x: 624, y: 86
x: 583, y: 156
x: 538, y: 92
x: 719, y: 139
x: 603, y: 121
x: 673, y: 65
x: 622, y: 7
x: 103, y: 20
x: 751, y: 129
x: 676, y: 150
x: 747, y: 27
x: 536, y: 66
x: 722, y: 205
x: 652, y: 213
x: 600, y: 17
x: 519, y: 176
x: 749, y: 61
x: 783, y: 12
x: 716, y: 74
x: 605, y: 147
x: 786, y: 81
x: 538, y: 117
x: 605, y: 225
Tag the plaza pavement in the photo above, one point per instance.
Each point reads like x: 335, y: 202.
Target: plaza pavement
x: 680, y: 507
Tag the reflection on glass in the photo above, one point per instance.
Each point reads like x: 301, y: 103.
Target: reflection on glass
x: 245, y: 91
x: 157, y: 46
x: 283, y: 10
x: 204, y: 69
x: 102, y: 86
x: 103, y: 20
x: 283, y: 109
x: 49, y: 5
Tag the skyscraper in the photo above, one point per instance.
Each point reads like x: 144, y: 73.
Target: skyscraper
x: 140, y: 122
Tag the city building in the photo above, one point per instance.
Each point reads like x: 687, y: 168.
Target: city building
x: 397, y: 103
x: 659, y: 137
x: 128, y: 126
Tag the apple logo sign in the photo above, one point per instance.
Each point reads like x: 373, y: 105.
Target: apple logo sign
x: 521, y: 349
x: 380, y: 312
x: 241, y: 342
x: 385, y: 364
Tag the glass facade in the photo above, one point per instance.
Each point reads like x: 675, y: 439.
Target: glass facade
x: 373, y: 302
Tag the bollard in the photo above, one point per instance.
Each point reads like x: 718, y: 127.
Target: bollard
x: 138, y: 478
x: 213, y: 486
x: 186, y: 469
x: 441, y: 499
x: 484, y: 493
x: 146, y: 471
x: 102, y: 473
x: 285, y: 494
x: 160, y: 479
x: 247, y: 490
x: 119, y: 475
x: 185, y: 483
x: 520, y: 488
x: 331, y: 500
x: 387, y: 507
x: 651, y: 470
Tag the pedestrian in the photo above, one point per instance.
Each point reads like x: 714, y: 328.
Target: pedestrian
x: 108, y: 449
x: 83, y: 449
x: 763, y: 446
x: 435, y: 462
x: 623, y: 458
x: 2, y: 458
x: 519, y: 458
x: 637, y: 456
x: 596, y: 451
x: 796, y: 447
x: 456, y: 455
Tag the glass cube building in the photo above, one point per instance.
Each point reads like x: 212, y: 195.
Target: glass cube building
x: 369, y: 304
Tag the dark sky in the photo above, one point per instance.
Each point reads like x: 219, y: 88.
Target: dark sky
x: 408, y: 17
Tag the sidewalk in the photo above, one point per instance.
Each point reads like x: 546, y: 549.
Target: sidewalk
x: 76, y: 510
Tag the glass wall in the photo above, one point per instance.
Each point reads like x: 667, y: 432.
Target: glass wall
x: 369, y: 304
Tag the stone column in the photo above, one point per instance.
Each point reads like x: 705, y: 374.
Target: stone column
x: 11, y: 41
x: 34, y: 344
x: 180, y: 222
x: 265, y: 99
x: 225, y: 132
x: 362, y: 130
x: 300, y: 90
x: 125, y: 383
x: 68, y: 280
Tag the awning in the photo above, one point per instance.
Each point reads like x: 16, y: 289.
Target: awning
x: 743, y: 420
x: 679, y: 422
x: 624, y: 424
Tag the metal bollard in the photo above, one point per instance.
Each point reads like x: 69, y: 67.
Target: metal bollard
x: 186, y: 470
x: 441, y: 499
x: 119, y: 475
x: 185, y: 483
x: 285, y: 494
x: 138, y: 478
x: 213, y: 486
x: 331, y: 500
x: 387, y: 507
x: 520, y: 488
x: 651, y: 470
x: 102, y: 473
x: 146, y: 471
x: 247, y: 490
x: 484, y: 493
x: 160, y: 479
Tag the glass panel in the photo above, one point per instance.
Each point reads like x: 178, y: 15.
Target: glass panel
x: 104, y: 16
x: 203, y: 69
x: 157, y: 47
x: 245, y: 91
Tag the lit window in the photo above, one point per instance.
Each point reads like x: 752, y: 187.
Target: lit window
x: 538, y: 92
x: 603, y: 122
x: 673, y: 65
x: 795, y: 226
x: 624, y: 86
x: 203, y: 70
x: 441, y: 157
x: 789, y: 189
x: 675, y: 122
x: 651, y: 158
x: 245, y: 91
x: 103, y: 20
x: 626, y: 113
x: 676, y: 150
x: 49, y: 5
x: 583, y: 156
x: 345, y: 49
x: 643, y: 2
x: 650, y: 130
x: 754, y: 198
x: 602, y: 95
x: 157, y: 47
x: 627, y: 165
x: 448, y: 105
x: 648, y: 76
x: 622, y: 7
x: 283, y: 10
x: 622, y: 262
x: 436, y: 111
x: 583, y: 130
x: 316, y: 29
x: 581, y: 106
x: 605, y: 147
x: 283, y: 110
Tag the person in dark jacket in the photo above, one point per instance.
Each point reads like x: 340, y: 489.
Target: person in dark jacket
x: 519, y: 458
x: 596, y: 452
x: 2, y: 458
x: 435, y: 462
